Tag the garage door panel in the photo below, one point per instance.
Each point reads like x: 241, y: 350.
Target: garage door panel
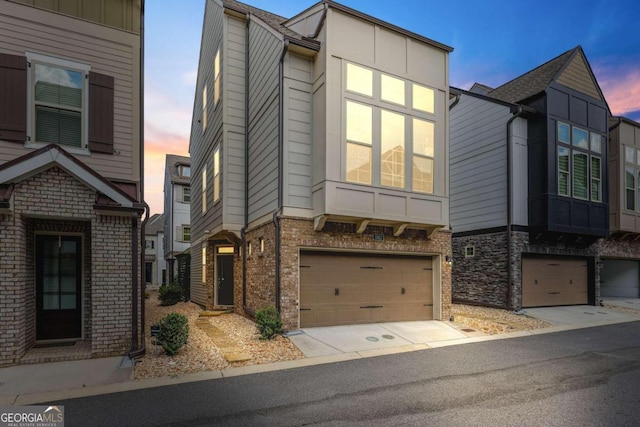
x: 554, y: 281
x: 370, y: 289
x: 620, y: 278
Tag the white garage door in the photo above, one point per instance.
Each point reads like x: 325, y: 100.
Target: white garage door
x: 342, y: 289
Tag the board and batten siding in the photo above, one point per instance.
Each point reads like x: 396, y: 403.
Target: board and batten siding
x: 107, y: 51
x: 478, y: 164
x: 297, y: 131
x: 264, y: 54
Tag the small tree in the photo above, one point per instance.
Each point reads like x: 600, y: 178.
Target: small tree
x: 268, y: 322
x: 174, y: 332
x: 170, y: 294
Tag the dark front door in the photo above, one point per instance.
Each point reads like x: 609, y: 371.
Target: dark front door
x: 58, y: 292
x: 224, y: 268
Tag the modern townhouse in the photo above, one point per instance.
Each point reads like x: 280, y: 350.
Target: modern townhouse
x: 71, y: 193
x: 177, y: 210
x: 530, y: 187
x: 319, y: 147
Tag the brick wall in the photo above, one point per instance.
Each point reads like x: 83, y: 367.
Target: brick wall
x: 53, y: 201
x: 261, y: 270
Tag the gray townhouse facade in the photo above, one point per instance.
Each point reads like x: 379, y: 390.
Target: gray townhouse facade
x: 177, y: 211
x: 537, y: 196
x: 71, y: 186
x: 319, y: 152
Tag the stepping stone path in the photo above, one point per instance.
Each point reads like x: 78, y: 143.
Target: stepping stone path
x: 229, y: 348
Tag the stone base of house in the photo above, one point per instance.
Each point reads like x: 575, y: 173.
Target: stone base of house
x: 296, y: 234
x: 53, y: 203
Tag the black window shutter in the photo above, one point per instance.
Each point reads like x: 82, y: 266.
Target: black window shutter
x: 100, y: 113
x: 13, y: 98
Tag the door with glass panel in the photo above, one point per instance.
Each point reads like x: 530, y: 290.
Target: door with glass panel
x: 58, y: 287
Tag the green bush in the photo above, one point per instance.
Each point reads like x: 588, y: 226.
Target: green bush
x: 170, y: 294
x: 268, y: 322
x: 174, y: 332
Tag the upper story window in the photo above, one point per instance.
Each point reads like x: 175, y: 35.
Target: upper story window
x: 579, y: 163
x: 204, y: 108
x: 149, y: 244
x: 184, y: 171
x: 216, y: 174
x: 186, y: 194
x: 204, y: 189
x: 186, y: 233
x: 632, y: 178
x: 386, y: 127
x: 58, y: 102
x: 216, y: 78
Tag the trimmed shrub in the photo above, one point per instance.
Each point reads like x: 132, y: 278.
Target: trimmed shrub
x: 170, y: 294
x: 174, y: 332
x: 268, y: 322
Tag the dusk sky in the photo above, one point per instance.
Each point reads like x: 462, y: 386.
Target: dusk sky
x: 494, y: 42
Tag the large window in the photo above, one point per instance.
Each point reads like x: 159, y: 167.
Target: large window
x: 579, y: 163
x: 632, y: 178
x: 389, y: 124
x: 59, y: 96
x: 216, y: 175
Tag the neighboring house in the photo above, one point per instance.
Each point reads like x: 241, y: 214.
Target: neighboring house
x: 177, y: 208
x: 620, y: 275
x: 530, y: 188
x: 70, y: 179
x: 155, y: 266
x: 319, y: 147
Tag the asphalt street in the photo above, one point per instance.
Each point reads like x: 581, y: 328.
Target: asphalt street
x: 574, y: 378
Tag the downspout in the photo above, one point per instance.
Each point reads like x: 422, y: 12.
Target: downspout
x: 135, y: 351
x: 243, y: 231
x: 276, y: 214
x: 517, y: 114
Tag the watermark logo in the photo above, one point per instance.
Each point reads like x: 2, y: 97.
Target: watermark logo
x: 32, y: 416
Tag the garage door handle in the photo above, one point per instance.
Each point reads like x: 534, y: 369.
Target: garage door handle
x: 372, y: 306
x: 402, y: 291
x: 305, y: 309
x: 336, y: 292
x: 553, y: 293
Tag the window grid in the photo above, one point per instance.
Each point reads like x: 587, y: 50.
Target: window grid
x: 186, y: 233
x: 579, y: 173
x: 186, y: 194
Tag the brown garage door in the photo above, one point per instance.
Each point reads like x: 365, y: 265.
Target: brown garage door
x: 341, y: 289
x: 554, y: 281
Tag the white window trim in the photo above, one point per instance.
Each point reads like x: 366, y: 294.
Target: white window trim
x: 466, y: 251
x: 62, y: 63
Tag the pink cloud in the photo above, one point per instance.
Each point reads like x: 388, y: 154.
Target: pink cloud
x: 621, y: 88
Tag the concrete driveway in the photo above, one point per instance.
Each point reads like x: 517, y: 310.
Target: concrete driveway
x: 582, y: 315
x: 329, y: 340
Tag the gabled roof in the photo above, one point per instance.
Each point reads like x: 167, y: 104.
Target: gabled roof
x: 155, y: 225
x: 534, y: 81
x: 35, y: 162
x: 171, y: 165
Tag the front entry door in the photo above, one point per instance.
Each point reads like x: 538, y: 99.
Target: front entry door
x: 58, y: 287
x: 224, y: 267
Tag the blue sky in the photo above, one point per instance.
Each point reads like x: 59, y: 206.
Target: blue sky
x: 494, y: 42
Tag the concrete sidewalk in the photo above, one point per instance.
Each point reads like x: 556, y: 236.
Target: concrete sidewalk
x: 30, y: 384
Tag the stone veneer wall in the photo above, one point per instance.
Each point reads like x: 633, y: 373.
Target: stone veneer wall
x: 62, y: 204
x: 298, y: 233
x: 482, y: 278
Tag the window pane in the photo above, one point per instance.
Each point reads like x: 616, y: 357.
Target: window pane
x: 358, y: 163
x: 423, y: 98
x: 57, y: 126
x: 596, y: 142
x: 638, y: 157
x: 216, y: 188
x: 392, y: 89
x: 563, y: 171
x: 423, y: 137
x: 204, y: 108
x: 392, y: 149
x: 422, y: 174
x: 359, y: 123
x: 216, y: 91
x: 58, y: 86
x: 580, y: 188
x: 216, y: 65
x: 580, y: 138
x: 595, y: 179
x: 629, y: 154
x: 563, y: 133
x: 630, y: 188
x: 204, y: 262
x: 359, y: 80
